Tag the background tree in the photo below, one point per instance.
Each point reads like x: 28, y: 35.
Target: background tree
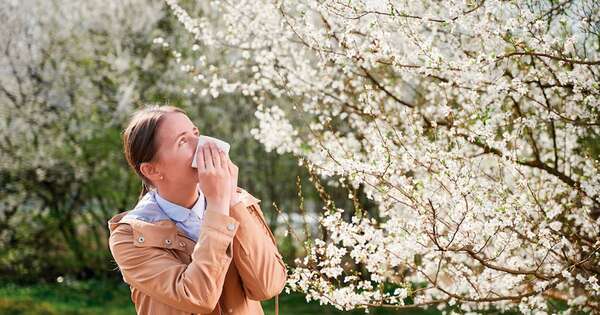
x: 472, y: 125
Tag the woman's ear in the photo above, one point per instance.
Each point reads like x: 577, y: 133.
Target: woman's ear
x: 150, y: 171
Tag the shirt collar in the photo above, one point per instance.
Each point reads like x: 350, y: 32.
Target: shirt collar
x: 177, y: 212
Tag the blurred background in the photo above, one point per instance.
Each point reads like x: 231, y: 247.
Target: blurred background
x: 71, y: 72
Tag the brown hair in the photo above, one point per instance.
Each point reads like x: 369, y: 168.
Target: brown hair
x: 139, y: 138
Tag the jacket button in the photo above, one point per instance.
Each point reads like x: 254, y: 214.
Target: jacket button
x: 168, y: 242
x: 141, y: 239
x: 229, y: 311
x: 231, y: 226
x: 182, y: 244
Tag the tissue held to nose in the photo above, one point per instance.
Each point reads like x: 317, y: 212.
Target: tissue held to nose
x: 204, y: 139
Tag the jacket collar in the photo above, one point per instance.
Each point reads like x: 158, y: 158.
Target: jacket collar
x: 162, y: 233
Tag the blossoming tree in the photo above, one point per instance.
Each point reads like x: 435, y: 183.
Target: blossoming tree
x: 467, y: 122
x: 70, y: 73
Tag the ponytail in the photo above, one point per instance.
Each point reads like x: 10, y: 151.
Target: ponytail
x: 144, y: 191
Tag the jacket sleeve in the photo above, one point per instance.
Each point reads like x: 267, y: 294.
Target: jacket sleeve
x: 193, y: 288
x: 259, y: 263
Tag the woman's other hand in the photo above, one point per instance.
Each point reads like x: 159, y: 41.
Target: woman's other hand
x: 214, y: 177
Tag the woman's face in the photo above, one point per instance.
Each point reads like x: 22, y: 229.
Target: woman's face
x: 177, y: 137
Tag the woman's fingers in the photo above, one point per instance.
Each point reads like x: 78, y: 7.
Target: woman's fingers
x: 200, y: 160
x: 228, y: 161
x: 231, y: 167
x: 223, y: 158
x: 207, y: 157
x: 215, y: 155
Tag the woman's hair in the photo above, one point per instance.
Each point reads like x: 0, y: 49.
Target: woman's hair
x: 139, y: 137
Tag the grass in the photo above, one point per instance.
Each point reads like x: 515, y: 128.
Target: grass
x: 295, y: 304
x: 74, y: 298
x: 96, y: 297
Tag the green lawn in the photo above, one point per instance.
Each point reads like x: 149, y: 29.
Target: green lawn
x: 89, y: 297
x: 108, y: 298
x: 295, y: 304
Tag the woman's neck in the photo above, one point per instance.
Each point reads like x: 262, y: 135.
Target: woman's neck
x: 180, y: 196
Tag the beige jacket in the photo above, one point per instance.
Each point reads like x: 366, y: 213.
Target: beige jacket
x: 234, y: 265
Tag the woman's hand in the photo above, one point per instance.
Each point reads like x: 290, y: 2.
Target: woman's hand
x: 233, y: 173
x: 214, y: 177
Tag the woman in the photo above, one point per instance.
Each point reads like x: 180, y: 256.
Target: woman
x: 195, y: 243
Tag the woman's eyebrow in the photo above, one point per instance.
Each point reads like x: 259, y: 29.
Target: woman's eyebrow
x: 182, y: 133
x: 179, y: 135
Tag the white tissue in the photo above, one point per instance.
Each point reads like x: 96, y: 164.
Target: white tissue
x: 203, y: 139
